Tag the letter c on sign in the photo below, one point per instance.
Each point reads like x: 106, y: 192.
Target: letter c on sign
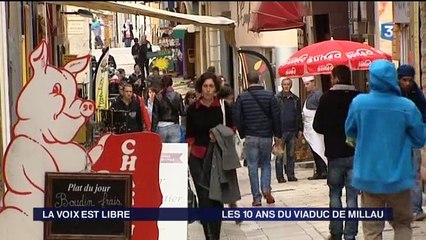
x: 125, y: 146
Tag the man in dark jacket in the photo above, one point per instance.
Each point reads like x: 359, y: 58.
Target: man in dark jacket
x: 291, y: 127
x: 257, y: 117
x: 410, y: 90
x: 135, y: 50
x: 127, y: 112
x: 145, y: 47
x: 330, y: 121
x: 137, y: 80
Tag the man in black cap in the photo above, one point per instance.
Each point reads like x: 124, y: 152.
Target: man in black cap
x: 410, y: 90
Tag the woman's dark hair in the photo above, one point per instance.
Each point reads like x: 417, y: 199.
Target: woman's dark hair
x: 153, y: 89
x: 207, y: 75
x: 225, y: 91
x: 166, y: 81
x: 190, y: 93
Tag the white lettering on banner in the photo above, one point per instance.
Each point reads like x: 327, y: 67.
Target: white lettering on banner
x: 126, y: 149
x: 364, y: 64
x: 296, y: 60
x: 128, y: 162
x: 361, y: 52
x: 328, y: 56
x: 291, y: 71
x: 325, y: 68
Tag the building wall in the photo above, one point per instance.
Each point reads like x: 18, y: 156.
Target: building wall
x: 423, y: 42
x: 246, y: 38
x: 282, y: 44
x: 384, y: 14
x: 338, y: 20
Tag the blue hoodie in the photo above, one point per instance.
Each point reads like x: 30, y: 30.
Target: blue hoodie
x: 385, y: 126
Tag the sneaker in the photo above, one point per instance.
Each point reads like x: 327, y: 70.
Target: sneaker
x: 292, y: 179
x: 419, y: 216
x: 269, y: 198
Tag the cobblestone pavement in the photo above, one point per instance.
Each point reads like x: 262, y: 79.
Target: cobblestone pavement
x: 303, y: 193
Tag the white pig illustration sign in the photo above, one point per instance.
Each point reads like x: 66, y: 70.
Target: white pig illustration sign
x: 49, y: 116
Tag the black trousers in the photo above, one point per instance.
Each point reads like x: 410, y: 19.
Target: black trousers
x: 144, y: 64
x: 212, y: 228
x: 319, y: 163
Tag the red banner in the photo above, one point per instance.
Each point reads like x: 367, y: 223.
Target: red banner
x: 138, y: 153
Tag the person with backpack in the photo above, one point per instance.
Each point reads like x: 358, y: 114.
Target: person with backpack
x: 257, y: 117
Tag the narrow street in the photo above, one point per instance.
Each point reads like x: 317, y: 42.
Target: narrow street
x: 303, y: 193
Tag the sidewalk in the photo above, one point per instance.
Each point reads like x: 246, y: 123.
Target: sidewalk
x: 303, y: 193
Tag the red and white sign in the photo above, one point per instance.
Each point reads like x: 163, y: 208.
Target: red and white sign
x: 139, y: 154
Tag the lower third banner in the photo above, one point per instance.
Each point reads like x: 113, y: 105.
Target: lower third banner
x: 213, y: 214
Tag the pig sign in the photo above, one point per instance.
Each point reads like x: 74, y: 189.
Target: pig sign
x: 49, y: 116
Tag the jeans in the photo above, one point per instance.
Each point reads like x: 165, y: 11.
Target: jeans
x: 416, y: 191
x: 98, y: 42
x: 289, y: 141
x: 170, y: 133
x: 259, y: 151
x: 127, y: 42
x: 340, y: 174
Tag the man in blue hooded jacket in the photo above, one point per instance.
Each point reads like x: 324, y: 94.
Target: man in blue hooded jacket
x: 385, y: 127
x: 411, y: 91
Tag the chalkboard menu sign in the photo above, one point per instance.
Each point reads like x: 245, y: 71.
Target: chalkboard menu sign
x: 88, y: 190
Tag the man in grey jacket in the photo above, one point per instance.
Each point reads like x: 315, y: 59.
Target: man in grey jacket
x: 291, y: 127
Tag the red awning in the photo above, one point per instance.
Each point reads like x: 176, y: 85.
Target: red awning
x: 274, y: 16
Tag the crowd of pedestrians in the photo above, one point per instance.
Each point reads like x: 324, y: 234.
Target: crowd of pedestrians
x: 367, y: 144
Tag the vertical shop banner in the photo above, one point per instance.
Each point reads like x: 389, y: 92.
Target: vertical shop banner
x: 102, y: 82
x: 160, y: 179
x: 156, y: 183
x: 139, y: 154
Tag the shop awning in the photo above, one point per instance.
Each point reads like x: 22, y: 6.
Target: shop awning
x: 274, y: 16
x: 139, y: 9
x: 180, y: 30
